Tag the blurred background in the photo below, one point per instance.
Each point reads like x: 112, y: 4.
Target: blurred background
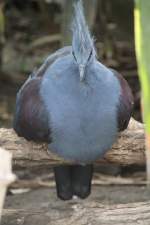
x: 31, y: 30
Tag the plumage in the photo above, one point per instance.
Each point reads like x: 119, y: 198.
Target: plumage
x: 75, y: 104
x: 82, y: 42
x: 83, y: 116
x: 126, y: 103
x: 31, y: 117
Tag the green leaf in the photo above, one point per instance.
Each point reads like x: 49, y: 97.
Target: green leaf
x: 142, y: 43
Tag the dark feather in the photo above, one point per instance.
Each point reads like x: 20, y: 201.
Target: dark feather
x: 126, y: 103
x: 31, y: 118
x: 51, y: 59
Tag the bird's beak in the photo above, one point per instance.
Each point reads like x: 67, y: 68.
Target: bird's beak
x: 82, y: 72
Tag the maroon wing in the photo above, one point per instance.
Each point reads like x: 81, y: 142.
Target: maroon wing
x: 126, y: 103
x: 31, y: 118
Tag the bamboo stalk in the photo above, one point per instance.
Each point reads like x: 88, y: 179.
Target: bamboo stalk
x: 142, y: 36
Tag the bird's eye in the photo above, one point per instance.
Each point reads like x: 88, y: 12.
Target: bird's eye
x: 90, y: 55
x: 74, y: 55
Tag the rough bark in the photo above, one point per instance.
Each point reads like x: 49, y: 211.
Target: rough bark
x: 76, y: 212
x: 129, y: 149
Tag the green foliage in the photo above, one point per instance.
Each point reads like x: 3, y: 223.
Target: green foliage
x: 142, y: 42
x: 2, y: 23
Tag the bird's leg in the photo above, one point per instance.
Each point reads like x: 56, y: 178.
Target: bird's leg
x: 81, y: 180
x: 63, y: 182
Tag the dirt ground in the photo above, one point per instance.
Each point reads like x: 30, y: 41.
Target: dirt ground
x: 42, y: 207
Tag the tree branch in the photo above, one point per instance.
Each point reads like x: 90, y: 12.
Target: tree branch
x: 76, y: 212
x: 129, y: 149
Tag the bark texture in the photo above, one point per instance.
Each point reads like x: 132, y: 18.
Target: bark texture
x: 129, y: 149
x: 42, y: 207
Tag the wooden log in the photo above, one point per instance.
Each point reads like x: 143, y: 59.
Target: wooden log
x: 42, y: 207
x: 129, y: 149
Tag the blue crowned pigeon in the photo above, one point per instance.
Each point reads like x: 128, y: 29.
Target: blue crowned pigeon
x: 75, y: 104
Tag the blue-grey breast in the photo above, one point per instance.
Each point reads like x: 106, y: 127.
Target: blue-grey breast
x: 73, y: 102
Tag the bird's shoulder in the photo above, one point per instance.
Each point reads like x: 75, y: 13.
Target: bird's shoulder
x: 51, y: 60
x: 31, y: 118
x: 103, y: 73
x: 126, y: 102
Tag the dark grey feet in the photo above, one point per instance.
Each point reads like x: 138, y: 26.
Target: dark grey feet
x: 81, y: 180
x: 63, y: 182
x: 73, y: 180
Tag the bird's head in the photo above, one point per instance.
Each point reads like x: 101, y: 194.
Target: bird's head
x: 83, y: 50
x: 82, y: 59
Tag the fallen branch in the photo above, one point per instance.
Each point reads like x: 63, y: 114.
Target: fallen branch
x: 129, y: 149
x: 76, y: 212
x: 98, y: 180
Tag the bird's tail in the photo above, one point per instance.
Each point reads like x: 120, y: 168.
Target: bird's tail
x: 81, y: 34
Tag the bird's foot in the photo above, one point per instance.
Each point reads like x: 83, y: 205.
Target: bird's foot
x: 81, y: 180
x: 63, y: 182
